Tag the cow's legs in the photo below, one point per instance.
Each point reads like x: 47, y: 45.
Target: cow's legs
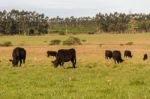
x: 73, y: 63
x: 20, y: 62
x: 24, y: 61
x: 62, y: 64
x: 17, y: 63
x: 116, y: 62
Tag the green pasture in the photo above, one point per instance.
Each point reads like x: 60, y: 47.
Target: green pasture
x: 89, y: 39
x: 94, y: 77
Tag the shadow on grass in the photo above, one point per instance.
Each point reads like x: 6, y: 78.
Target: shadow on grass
x: 70, y: 68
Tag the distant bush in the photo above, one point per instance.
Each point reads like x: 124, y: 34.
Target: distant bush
x: 21, y: 44
x: 55, y: 42
x: 44, y: 41
x: 129, y: 43
x: 55, y: 31
x: 91, y: 32
x: 100, y: 45
x: 74, y: 33
x: 121, y: 44
x: 72, y: 41
x: 62, y: 33
x: 7, y: 43
x: 83, y: 40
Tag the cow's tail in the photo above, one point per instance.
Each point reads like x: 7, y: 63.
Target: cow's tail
x: 75, y: 58
x: 24, y: 57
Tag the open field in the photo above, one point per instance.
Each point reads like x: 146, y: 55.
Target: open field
x: 93, y: 78
x: 90, y: 39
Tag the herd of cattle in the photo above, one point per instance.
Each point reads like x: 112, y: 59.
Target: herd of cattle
x: 116, y: 55
x: 65, y: 55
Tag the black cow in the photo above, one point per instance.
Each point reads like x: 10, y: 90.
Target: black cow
x: 127, y: 53
x: 108, y: 54
x: 65, y: 55
x: 51, y: 53
x: 145, y: 57
x: 117, y: 56
x: 19, y: 55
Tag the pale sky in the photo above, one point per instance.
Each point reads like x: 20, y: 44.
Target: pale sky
x: 66, y: 8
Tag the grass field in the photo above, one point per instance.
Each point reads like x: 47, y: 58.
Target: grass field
x: 93, y: 78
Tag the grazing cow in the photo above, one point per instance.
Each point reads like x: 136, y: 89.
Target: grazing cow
x: 108, y: 54
x: 145, y: 57
x: 51, y: 53
x: 117, y: 56
x: 127, y: 53
x: 19, y: 55
x: 65, y: 55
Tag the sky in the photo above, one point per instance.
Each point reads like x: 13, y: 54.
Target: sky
x: 77, y: 8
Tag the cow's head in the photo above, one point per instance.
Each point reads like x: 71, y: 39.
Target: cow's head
x: 55, y: 63
x: 47, y: 54
x: 14, y: 62
x: 121, y: 60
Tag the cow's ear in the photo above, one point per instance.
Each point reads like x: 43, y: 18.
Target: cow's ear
x: 10, y: 60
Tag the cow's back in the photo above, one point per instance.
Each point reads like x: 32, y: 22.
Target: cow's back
x: 127, y: 53
x: 117, y: 56
x: 108, y: 54
x: 51, y: 53
x: 19, y: 53
x: 66, y: 54
x: 22, y: 53
x: 145, y: 57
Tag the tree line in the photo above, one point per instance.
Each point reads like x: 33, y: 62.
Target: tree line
x: 33, y: 23
x: 23, y: 23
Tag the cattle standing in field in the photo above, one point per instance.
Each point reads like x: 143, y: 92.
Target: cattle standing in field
x: 51, y: 53
x: 127, y: 53
x: 19, y: 55
x: 108, y: 54
x: 117, y: 56
x: 145, y: 57
x: 65, y: 55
